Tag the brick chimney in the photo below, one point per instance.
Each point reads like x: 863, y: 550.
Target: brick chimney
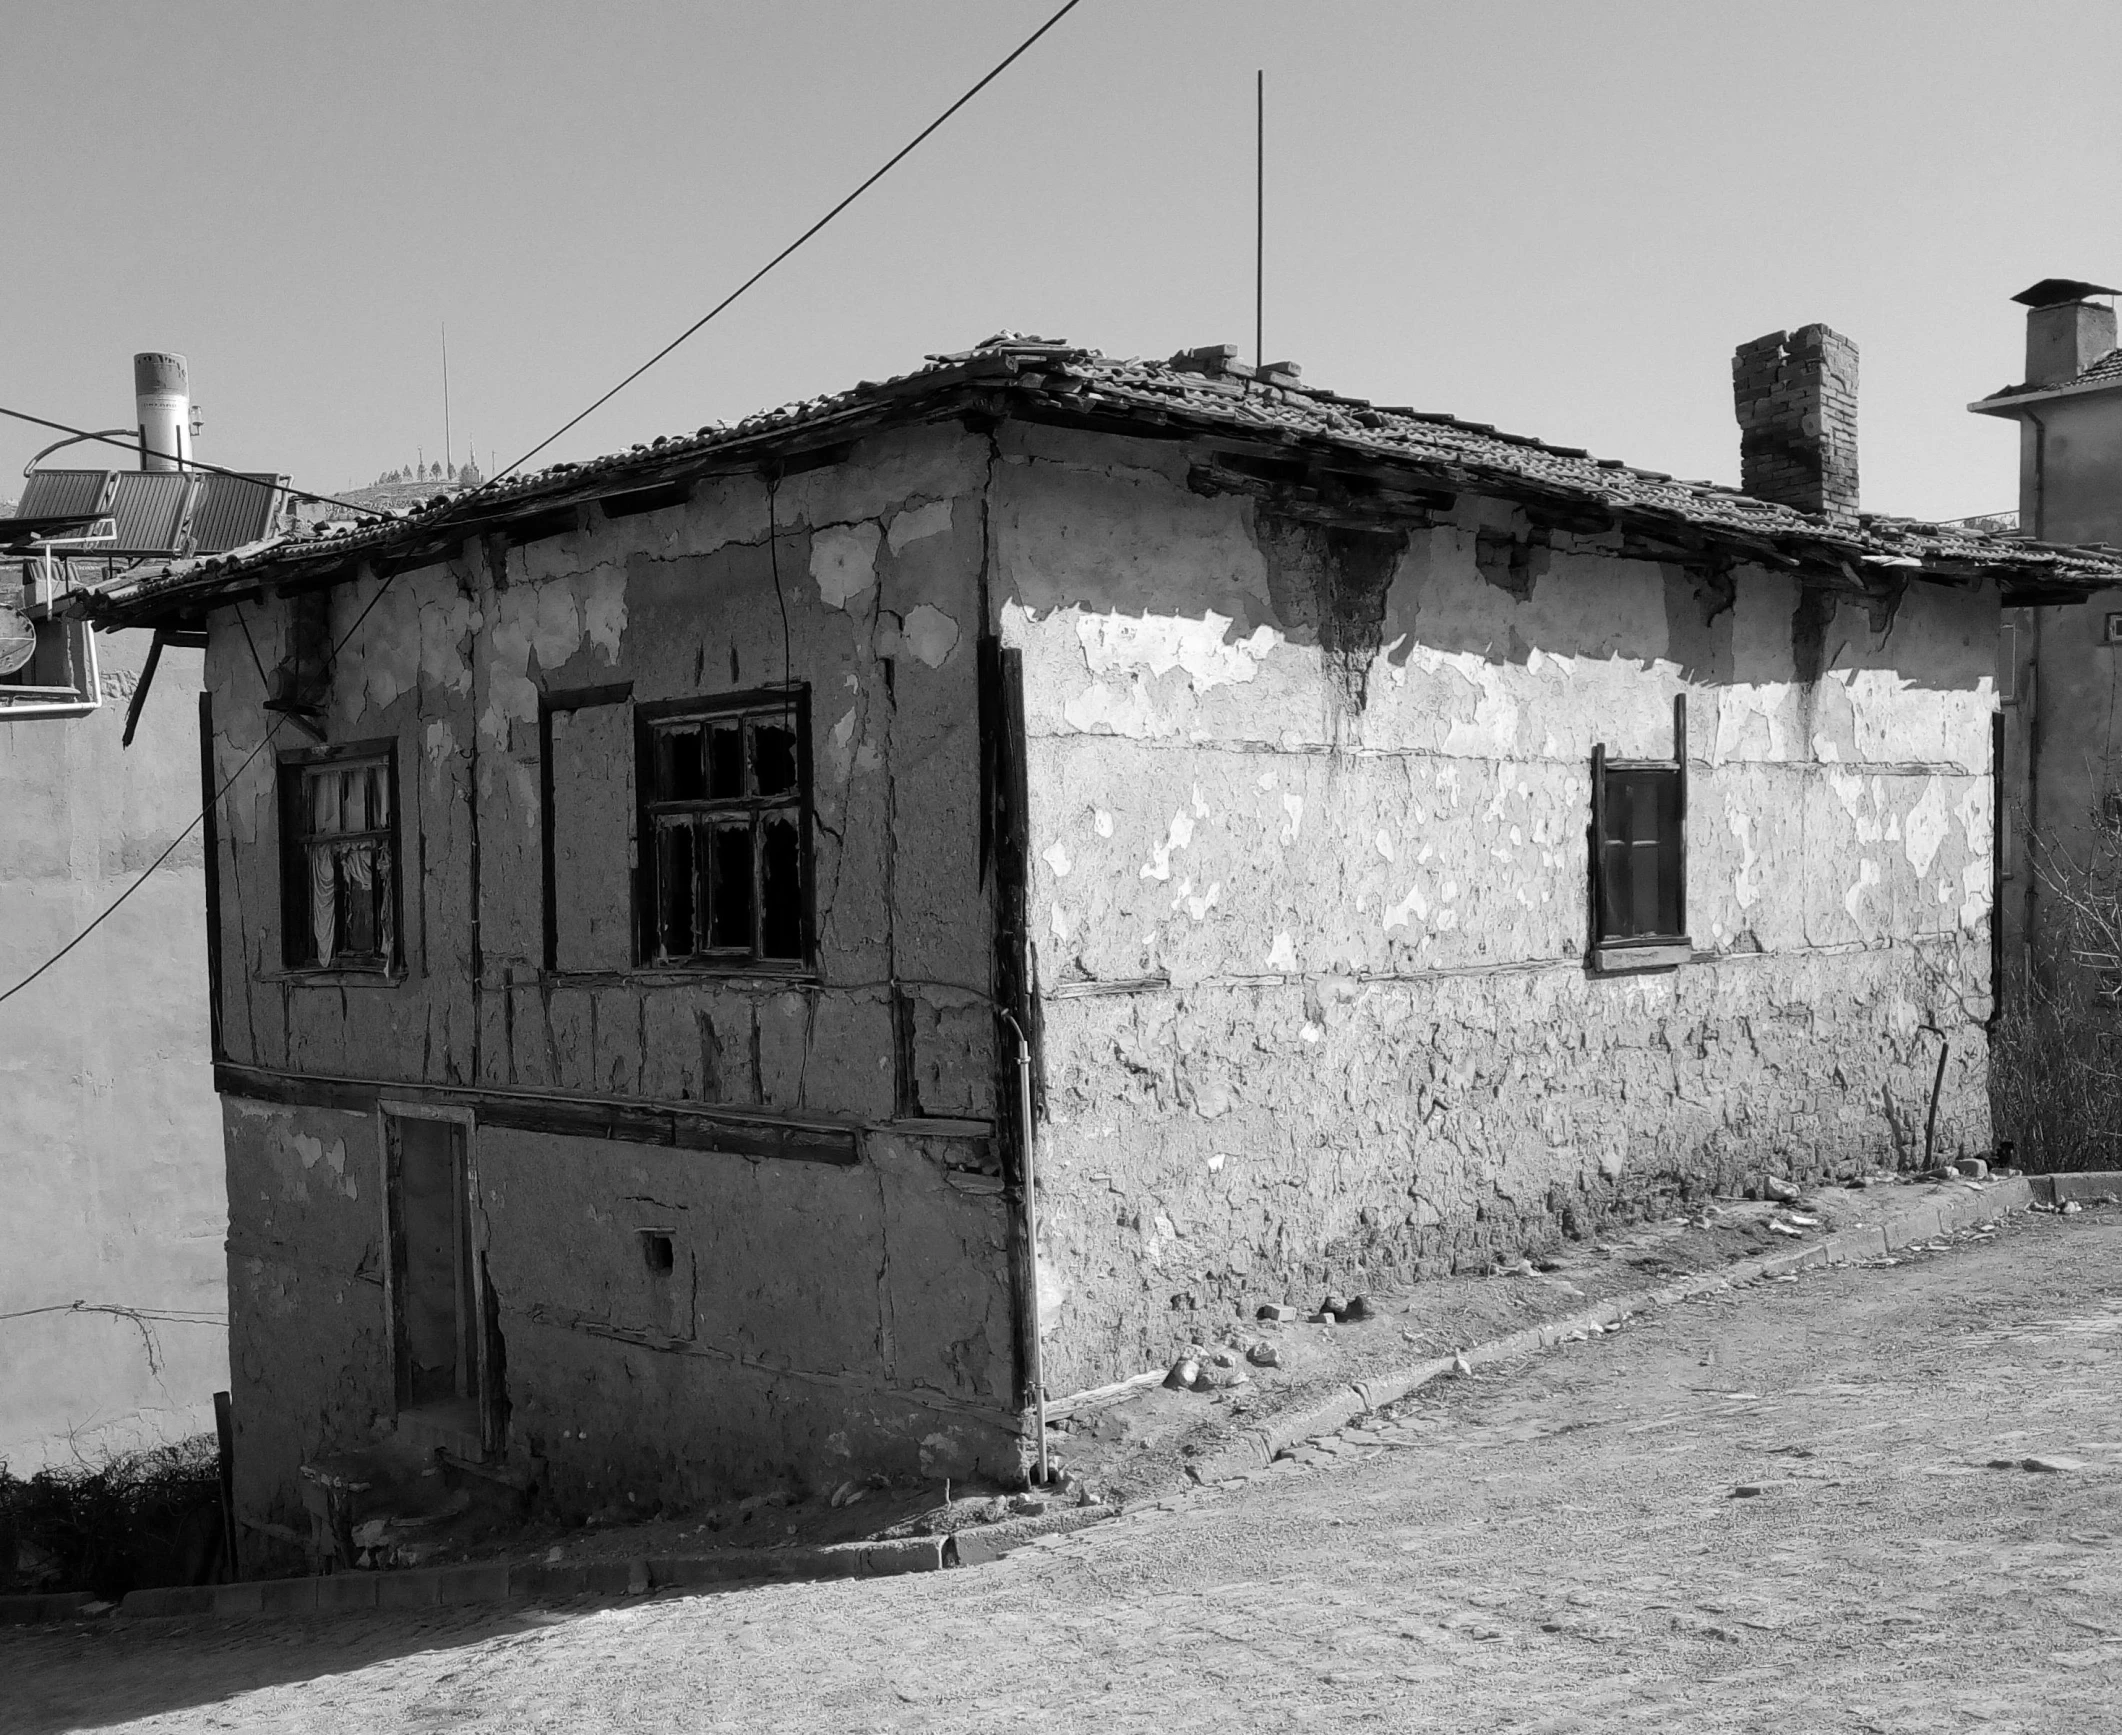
x: 2065, y: 332
x: 1796, y: 397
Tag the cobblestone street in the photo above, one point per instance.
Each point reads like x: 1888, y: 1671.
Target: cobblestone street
x: 1801, y: 1506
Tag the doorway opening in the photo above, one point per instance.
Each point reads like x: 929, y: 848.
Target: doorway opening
x: 437, y: 1313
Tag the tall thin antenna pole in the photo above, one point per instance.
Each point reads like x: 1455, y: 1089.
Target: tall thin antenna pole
x: 1259, y: 217
x: 448, y: 466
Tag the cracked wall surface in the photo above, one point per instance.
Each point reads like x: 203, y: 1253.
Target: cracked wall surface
x: 880, y: 1290
x: 1309, y: 886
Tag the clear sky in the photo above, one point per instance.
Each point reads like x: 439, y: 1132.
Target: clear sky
x: 1560, y: 218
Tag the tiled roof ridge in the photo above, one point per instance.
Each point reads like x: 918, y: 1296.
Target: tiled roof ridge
x: 1239, y: 400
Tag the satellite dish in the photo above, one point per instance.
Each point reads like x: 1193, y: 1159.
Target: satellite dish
x: 18, y: 638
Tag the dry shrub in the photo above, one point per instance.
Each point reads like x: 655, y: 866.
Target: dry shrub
x: 2056, y: 1051
x: 139, y: 1519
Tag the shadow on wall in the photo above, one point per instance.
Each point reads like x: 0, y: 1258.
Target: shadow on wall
x: 1126, y: 542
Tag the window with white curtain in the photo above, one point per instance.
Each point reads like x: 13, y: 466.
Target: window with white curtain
x: 339, y: 855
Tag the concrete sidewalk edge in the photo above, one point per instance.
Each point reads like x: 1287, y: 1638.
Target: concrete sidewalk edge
x: 500, y: 1581
x: 1258, y: 1447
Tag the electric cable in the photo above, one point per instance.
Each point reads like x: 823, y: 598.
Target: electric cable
x: 264, y: 741
x: 461, y: 500
x: 900, y: 156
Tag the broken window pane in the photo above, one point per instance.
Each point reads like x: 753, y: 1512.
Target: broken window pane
x: 780, y: 888
x: 683, y: 778
x: 674, y: 879
x: 725, y: 761
x: 735, y: 784
x: 730, y: 914
x: 774, y: 757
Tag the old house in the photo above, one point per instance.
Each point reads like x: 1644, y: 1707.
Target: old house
x: 1399, y: 843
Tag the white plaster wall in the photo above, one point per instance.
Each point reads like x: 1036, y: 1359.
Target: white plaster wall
x: 1379, y: 1050
x: 110, y: 1139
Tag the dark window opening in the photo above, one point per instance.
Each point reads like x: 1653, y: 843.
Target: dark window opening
x: 1639, y: 854
x: 1639, y: 866
x: 726, y: 797
x: 339, y: 877
x: 656, y: 1252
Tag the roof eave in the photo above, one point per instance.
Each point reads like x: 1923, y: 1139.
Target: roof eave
x: 2010, y: 403
x: 990, y: 389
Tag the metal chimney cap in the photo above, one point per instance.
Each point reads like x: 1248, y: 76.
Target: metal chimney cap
x: 2055, y: 291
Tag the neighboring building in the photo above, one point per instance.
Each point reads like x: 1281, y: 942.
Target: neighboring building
x: 113, y: 1277
x: 1404, y: 844
x: 402, y: 490
x: 2059, y: 742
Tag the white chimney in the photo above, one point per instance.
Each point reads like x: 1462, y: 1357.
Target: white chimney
x: 162, y: 392
x: 2066, y: 332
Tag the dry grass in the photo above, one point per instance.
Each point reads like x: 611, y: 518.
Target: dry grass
x: 2056, y: 1053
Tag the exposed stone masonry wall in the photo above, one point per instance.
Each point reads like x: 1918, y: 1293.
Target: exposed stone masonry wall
x: 1312, y: 947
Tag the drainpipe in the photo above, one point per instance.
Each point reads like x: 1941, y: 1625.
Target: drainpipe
x: 2030, y: 703
x: 1031, y: 1228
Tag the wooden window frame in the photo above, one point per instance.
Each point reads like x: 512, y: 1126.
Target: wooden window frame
x: 652, y: 806
x: 1609, y: 952
x: 297, y: 936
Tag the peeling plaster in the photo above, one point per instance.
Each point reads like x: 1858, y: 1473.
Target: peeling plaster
x: 843, y: 561
x: 930, y: 635
x: 1157, y: 644
x: 917, y: 523
x: 1926, y: 826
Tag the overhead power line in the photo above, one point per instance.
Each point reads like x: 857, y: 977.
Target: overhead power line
x: 264, y: 741
x: 463, y: 499
x: 897, y: 158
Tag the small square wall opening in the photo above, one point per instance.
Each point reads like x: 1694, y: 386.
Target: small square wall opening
x: 656, y: 1251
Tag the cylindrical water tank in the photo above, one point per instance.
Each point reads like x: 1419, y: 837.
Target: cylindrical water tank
x: 162, y: 390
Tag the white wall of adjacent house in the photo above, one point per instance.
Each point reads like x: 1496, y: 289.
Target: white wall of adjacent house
x: 110, y: 1133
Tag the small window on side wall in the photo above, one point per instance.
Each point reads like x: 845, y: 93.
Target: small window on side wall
x: 339, y: 861
x: 725, y: 836
x: 1639, y: 858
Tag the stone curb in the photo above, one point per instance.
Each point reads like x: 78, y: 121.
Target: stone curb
x: 1258, y: 1447
x: 62, y: 1605
x: 2090, y: 1184
x: 992, y: 1541
x: 457, y: 1586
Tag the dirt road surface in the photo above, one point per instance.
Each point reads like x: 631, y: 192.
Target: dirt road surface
x: 1566, y: 1544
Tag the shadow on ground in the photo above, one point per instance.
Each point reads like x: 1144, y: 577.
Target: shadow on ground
x: 54, y: 1682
